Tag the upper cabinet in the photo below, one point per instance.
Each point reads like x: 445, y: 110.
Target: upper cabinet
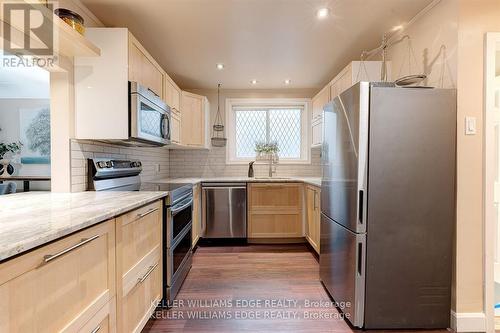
x: 353, y: 73
x: 172, y: 94
x: 101, y: 83
x: 195, y: 116
x: 101, y: 92
x: 142, y: 68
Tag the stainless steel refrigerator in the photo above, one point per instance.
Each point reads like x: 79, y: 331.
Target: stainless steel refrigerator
x: 388, y: 205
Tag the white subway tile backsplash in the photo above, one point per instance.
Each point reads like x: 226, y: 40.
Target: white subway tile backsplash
x: 177, y: 163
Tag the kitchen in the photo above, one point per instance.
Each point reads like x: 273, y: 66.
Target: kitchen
x: 226, y: 166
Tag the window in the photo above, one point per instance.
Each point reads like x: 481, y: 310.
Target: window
x: 282, y: 121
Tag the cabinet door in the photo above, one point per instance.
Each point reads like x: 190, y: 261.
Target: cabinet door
x: 275, y: 210
x: 196, y: 213
x: 317, y: 133
x: 138, y: 266
x: 60, y: 286
x: 142, y: 70
x: 318, y: 101
x: 193, y: 120
x: 176, y: 129
x: 313, y: 217
x: 172, y: 95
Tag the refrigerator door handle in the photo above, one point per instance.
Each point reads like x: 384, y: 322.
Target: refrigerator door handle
x: 361, y: 196
x: 360, y: 258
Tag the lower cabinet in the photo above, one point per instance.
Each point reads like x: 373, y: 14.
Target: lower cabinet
x: 138, y: 266
x: 106, y: 278
x: 313, y: 216
x: 274, y: 210
x: 62, y: 286
x: 196, y: 213
x: 103, y: 321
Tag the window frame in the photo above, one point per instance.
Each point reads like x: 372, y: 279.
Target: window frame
x: 304, y: 103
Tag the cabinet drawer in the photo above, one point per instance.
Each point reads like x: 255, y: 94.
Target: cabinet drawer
x: 275, y: 225
x: 104, y: 321
x: 139, y: 266
x: 140, y: 300
x: 274, y: 197
x: 138, y: 232
x: 60, y: 286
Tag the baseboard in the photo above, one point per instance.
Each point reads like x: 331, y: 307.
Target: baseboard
x: 468, y: 322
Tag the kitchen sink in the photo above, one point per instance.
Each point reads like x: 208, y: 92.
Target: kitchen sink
x: 270, y: 178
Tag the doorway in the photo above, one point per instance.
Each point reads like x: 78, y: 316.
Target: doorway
x: 492, y: 181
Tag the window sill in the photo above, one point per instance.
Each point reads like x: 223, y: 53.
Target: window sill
x: 246, y: 162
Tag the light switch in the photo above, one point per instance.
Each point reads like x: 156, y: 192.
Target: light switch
x: 470, y: 126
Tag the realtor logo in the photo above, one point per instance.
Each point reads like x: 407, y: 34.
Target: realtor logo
x: 26, y: 30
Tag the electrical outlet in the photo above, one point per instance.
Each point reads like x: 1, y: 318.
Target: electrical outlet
x: 157, y: 168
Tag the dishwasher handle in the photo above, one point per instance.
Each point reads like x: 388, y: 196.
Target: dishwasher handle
x: 223, y: 185
x: 224, y: 188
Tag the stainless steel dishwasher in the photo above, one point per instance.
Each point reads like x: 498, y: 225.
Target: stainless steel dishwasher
x: 224, y: 210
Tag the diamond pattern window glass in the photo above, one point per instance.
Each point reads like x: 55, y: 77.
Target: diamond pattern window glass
x: 272, y: 124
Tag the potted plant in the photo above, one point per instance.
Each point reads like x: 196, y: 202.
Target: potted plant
x: 8, y: 149
x: 266, y: 150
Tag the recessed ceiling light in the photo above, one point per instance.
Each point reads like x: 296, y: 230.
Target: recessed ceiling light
x: 220, y: 66
x: 322, y: 13
x: 287, y: 82
x: 397, y: 27
x: 254, y: 81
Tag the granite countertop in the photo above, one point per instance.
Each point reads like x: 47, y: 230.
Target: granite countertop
x: 31, y: 219
x: 316, y: 181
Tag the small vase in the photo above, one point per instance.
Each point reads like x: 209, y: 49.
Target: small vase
x: 4, y: 168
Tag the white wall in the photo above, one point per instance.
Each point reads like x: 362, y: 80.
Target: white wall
x: 434, y: 40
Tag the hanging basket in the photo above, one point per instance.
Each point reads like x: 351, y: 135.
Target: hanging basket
x: 219, y: 142
x: 218, y: 139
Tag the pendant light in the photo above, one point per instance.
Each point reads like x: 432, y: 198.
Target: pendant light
x: 218, y: 139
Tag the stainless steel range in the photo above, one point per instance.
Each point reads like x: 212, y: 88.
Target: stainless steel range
x: 123, y: 175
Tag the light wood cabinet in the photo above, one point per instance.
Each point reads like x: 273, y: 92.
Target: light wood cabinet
x: 318, y: 102
x: 194, y: 120
x: 104, y: 321
x: 143, y: 69
x: 61, y: 286
x: 274, y: 210
x: 196, y: 213
x: 313, y: 216
x: 175, y: 127
x: 172, y: 94
x: 138, y: 266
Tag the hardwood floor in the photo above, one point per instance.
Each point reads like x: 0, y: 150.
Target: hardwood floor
x: 225, y: 285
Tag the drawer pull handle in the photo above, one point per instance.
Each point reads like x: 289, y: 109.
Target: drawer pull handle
x: 95, y: 330
x: 147, y: 213
x: 48, y: 258
x: 150, y: 270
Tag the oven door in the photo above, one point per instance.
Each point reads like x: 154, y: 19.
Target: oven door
x: 178, y: 255
x: 179, y: 217
x: 149, y: 121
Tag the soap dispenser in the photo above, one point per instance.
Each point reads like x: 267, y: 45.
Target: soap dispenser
x: 250, y: 169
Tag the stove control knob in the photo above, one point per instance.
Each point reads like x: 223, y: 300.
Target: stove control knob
x: 133, y: 164
x: 108, y: 164
x: 101, y: 165
x: 139, y: 164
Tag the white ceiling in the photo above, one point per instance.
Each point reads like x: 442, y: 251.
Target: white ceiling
x: 267, y: 40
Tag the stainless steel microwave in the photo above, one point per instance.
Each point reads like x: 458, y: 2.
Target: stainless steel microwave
x: 149, y: 117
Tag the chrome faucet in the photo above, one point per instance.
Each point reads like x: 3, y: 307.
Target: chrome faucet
x: 273, y: 161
